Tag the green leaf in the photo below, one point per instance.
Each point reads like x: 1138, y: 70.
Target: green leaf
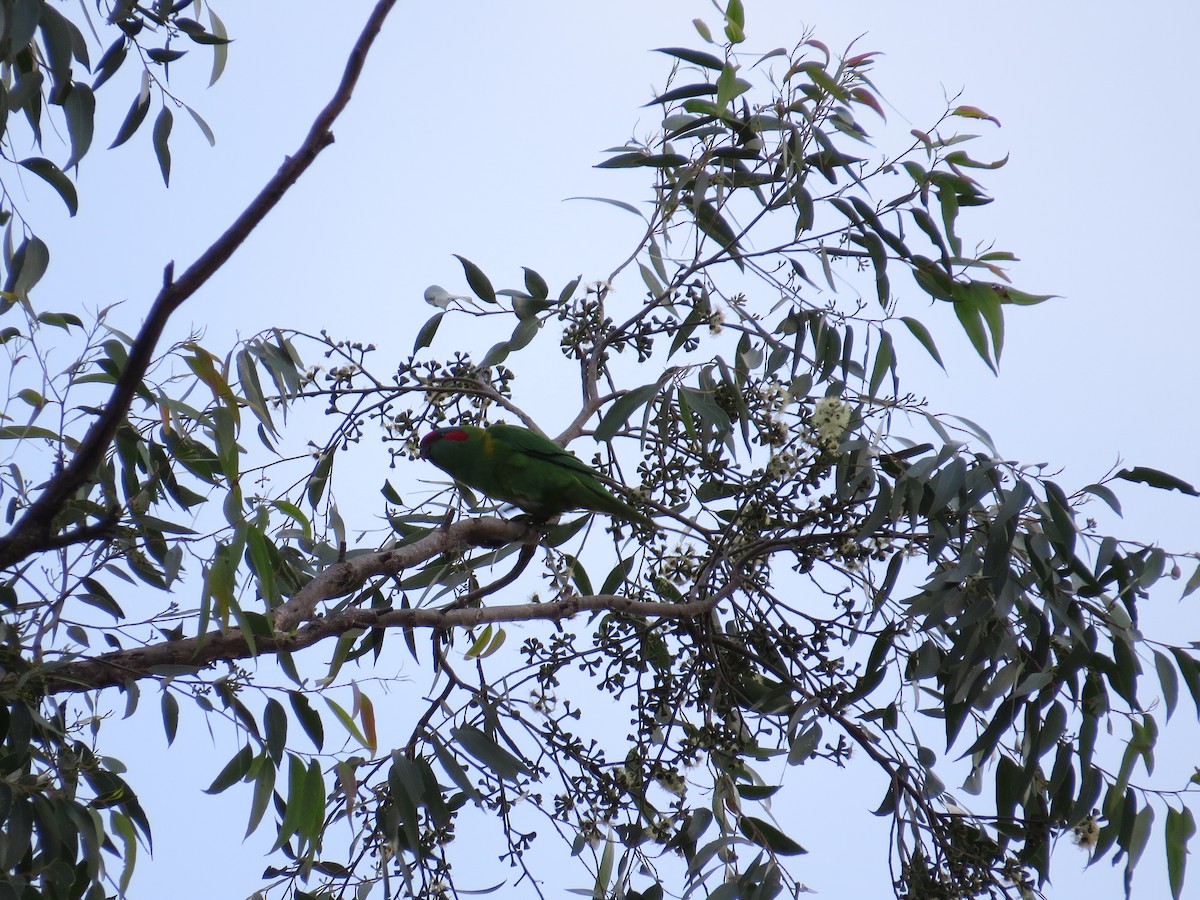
x: 477, y: 280
x: 525, y: 331
x: 803, y: 746
x: 347, y: 722
x: 684, y: 93
x: 1006, y: 294
x: 1180, y: 828
x: 1189, y: 670
x: 640, y: 159
x: 822, y: 79
x: 624, y: 406
x: 1105, y: 494
x: 294, y: 812
x: 320, y: 477
x: 1138, y: 839
x: 170, y: 714
x: 729, y: 86
x: 712, y: 223
x: 927, y: 340
x: 202, y: 125
x: 124, y: 829
x: 885, y: 360
x: 80, y: 111
x: 696, y: 57
x: 735, y: 22
x: 1192, y: 583
x: 619, y: 204
x: 110, y: 61
x: 135, y: 116
x: 28, y: 266
x: 55, y: 177
x: 488, y: 642
x: 979, y: 296
x: 428, y: 331
x: 161, y: 134
x: 310, y: 719
x: 220, y: 48
x: 1167, y: 680
x: 479, y: 745
x: 972, y: 322
x: 23, y: 23
x: 233, y: 772
x: 706, y: 407
x: 252, y: 389
x: 617, y: 576
x: 259, y: 553
x: 456, y: 772
x: 536, y: 284
x: 163, y: 55
x: 767, y: 835
x: 1157, y: 479
x: 264, y: 787
x: 275, y: 728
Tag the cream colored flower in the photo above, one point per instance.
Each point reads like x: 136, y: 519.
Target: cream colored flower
x: 1086, y: 833
x: 830, y: 419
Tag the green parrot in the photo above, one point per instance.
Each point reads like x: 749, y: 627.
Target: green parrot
x: 519, y: 466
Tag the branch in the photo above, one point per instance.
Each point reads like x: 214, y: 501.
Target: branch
x: 32, y: 533
x: 121, y: 666
x: 348, y: 575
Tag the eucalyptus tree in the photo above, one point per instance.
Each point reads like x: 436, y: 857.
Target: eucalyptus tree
x: 834, y: 569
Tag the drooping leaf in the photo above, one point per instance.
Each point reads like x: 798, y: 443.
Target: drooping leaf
x: 921, y: 333
x: 80, y: 111
x: 233, y: 772
x: 220, y: 46
x: 161, y: 135
x: 135, y: 116
x: 56, y: 178
x: 496, y: 758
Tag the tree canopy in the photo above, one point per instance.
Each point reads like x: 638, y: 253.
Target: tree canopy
x: 835, y: 570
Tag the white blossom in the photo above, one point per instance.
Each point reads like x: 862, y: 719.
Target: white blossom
x: 830, y: 419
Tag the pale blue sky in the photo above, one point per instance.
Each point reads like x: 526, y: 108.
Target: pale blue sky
x: 475, y: 121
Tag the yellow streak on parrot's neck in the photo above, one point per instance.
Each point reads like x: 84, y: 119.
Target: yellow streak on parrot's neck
x: 487, y: 443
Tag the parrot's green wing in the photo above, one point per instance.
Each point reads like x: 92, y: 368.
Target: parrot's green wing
x: 577, y: 486
x: 533, y: 444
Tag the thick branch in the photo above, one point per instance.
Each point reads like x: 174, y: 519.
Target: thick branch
x: 346, y: 576
x: 121, y: 666
x: 32, y: 532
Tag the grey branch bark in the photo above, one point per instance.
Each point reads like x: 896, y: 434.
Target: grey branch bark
x: 298, y: 623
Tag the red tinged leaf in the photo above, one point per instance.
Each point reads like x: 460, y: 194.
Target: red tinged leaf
x: 861, y: 58
x: 973, y: 112
x: 862, y: 95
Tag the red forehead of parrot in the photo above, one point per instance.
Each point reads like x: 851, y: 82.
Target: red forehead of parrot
x: 447, y: 434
